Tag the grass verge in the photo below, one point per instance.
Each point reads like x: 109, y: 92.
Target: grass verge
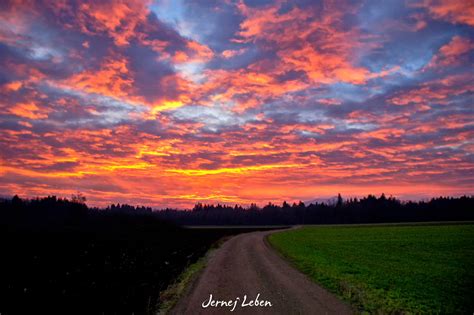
x: 170, y: 296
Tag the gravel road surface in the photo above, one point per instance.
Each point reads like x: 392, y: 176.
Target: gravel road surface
x: 246, y: 267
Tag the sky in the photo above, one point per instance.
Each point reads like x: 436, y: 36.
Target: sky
x: 168, y: 103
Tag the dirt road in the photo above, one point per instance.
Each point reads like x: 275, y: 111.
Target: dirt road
x: 245, y: 267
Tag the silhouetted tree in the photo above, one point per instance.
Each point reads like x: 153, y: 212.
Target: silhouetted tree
x: 78, y: 198
x: 339, y: 201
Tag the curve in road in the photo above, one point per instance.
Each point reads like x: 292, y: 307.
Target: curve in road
x: 245, y: 268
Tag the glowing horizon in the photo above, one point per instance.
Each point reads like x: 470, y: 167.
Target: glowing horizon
x: 169, y: 103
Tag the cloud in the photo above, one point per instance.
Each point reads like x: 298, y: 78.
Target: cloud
x: 169, y: 103
x: 453, y: 11
x: 232, y: 53
x: 440, y: 91
x: 28, y: 110
x: 452, y: 53
x: 118, y: 19
x: 113, y: 79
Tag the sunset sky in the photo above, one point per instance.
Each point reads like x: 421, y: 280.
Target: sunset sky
x: 169, y: 103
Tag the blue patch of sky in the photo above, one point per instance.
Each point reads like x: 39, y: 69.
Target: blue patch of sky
x: 213, y: 117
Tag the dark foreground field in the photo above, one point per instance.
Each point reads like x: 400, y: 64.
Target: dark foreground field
x: 111, y: 264
x: 388, y: 269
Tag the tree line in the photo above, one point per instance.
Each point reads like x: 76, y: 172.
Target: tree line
x: 370, y: 209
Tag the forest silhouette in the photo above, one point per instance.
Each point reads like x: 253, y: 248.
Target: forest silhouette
x: 371, y: 209
x: 61, y: 256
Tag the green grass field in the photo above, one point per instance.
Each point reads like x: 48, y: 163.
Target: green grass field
x: 388, y: 269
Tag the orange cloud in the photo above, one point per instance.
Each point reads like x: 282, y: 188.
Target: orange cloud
x: 438, y: 91
x: 453, y: 11
x: 232, y: 170
x: 13, y: 86
x: 226, y: 86
x: 119, y: 19
x: 328, y: 60
x: 29, y: 110
x: 196, y: 53
x: 113, y: 79
x: 329, y: 101
x: 201, y: 52
x: 384, y: 134
x: 232, y: 53
x: 166, y: 105
x: 452, y: 53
